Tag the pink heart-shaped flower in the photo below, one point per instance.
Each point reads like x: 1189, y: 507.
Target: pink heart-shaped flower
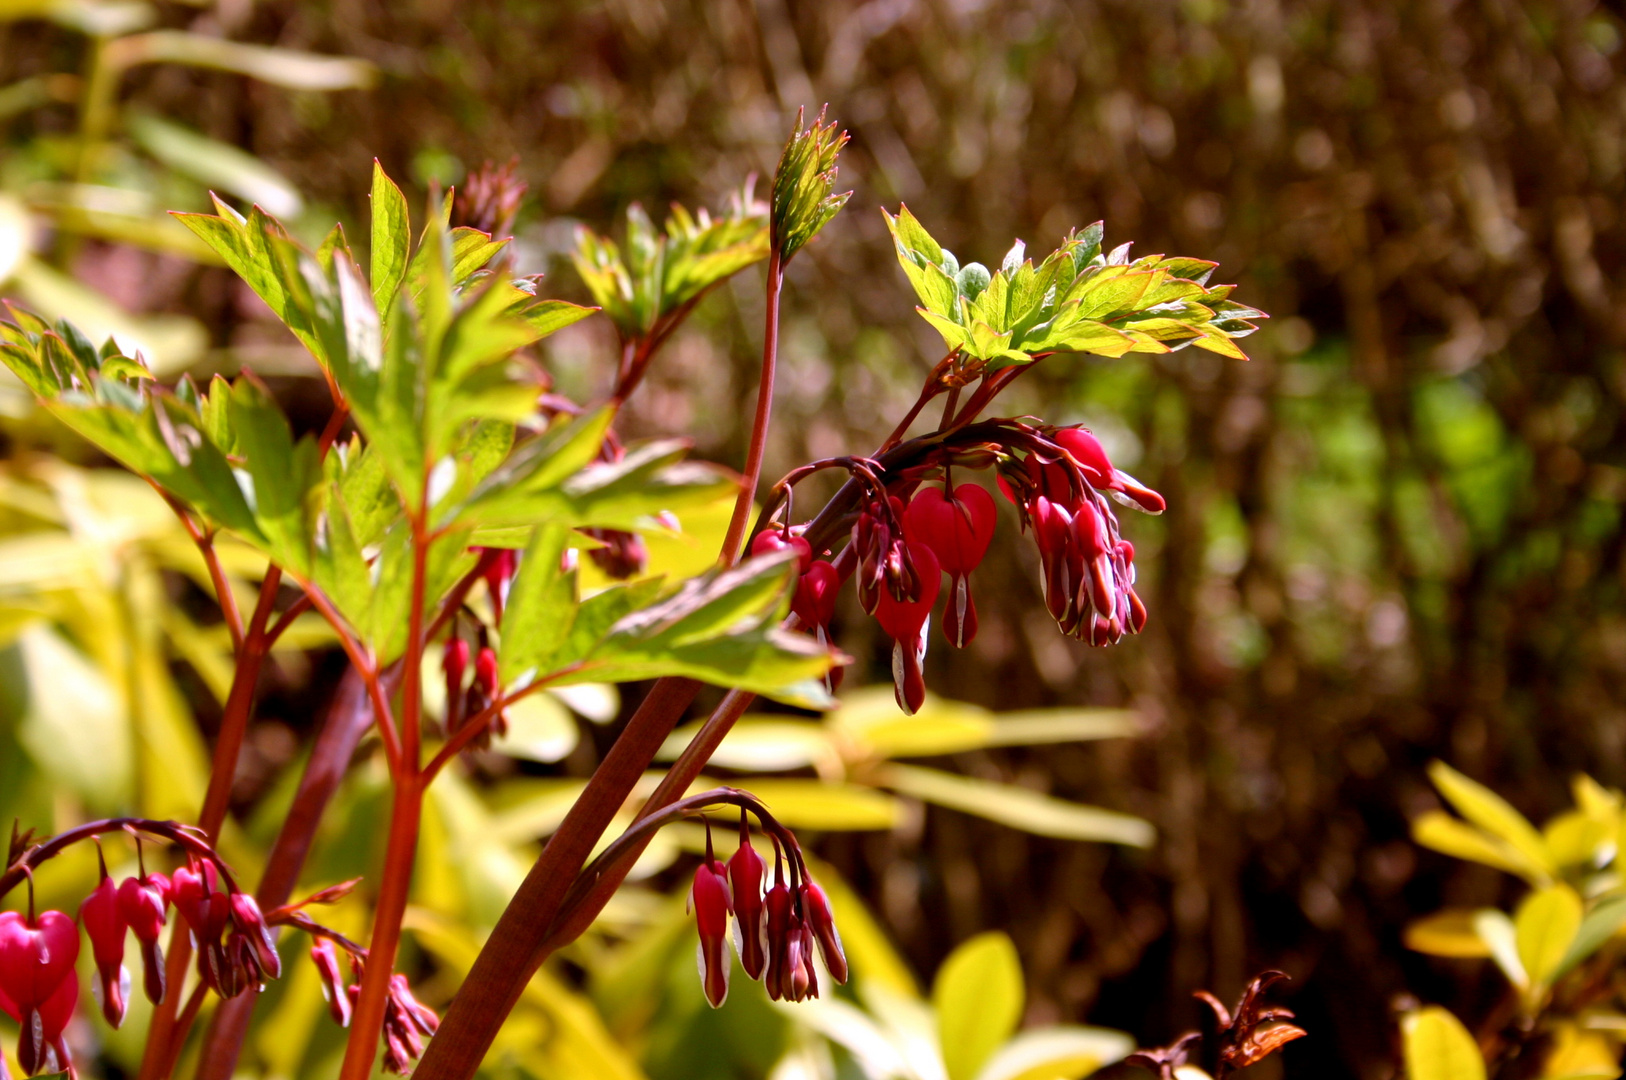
x: 957, y: 526
x: 815, y: 599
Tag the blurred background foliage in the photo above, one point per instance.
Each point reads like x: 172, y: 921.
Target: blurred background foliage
x: 1394, y: 535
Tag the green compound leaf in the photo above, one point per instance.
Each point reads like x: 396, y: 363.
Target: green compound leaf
x: 645, y: 288
x: 1074, y: 300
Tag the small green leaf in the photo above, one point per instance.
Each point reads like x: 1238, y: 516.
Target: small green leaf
x: 391, y: 239
x: 1438, y: 1047
x: 978, y: 997
x: 1600, y: 924
x: 804, y: 185
x: 541, y: 607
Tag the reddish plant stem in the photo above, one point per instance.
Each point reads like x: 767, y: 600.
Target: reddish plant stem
x: 406, y: 811
x: 348, y: 718
x: 183, y: 836
x: 211, y: 560
x: 759, y: 426
x: 286, y: 619
x: 395, y: 884
x: 509, y: 957
x: 363, y: 663
x: 335, y: 424
x: 587, y: 900
x: 168, y: 1031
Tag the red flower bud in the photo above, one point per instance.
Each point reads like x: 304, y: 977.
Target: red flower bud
x: 485, y: 670
x: 406, y: 1022
x: 815, y: 599
x: 773, y: 539
x: 105, y: 927
x: 816, y: 910
x: 36, y: 956
x: 905, y: 623
x: 957, y: 525
x: 745, y: 874
x: 777, y: 904
x: 1087, y: 453
x: 326, y: 959
x: 454, y: 662
x: 903, y: 619
x: 246, y: 917
x: 142, y: 901
x: 709, y: 900
x: 500, y: 564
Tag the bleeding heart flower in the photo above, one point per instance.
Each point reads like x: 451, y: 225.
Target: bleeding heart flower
x: 746, y: 871
x: 905, y: 622
x: 816, y: 910
x: 774, y: 539
x: 958, y: 525
x: 41, y: 1047
x: 105, y: 926
x: 326, y: 959
x: 36, y: 975
x: 709, y: 900
x: 142, y: 901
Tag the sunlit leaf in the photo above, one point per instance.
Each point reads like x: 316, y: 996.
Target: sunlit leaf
x: 1438, y: 1047
x: 1447, y: 933
x: 1017, y: 807
x: 1545, y: 927
x: 978, y: 996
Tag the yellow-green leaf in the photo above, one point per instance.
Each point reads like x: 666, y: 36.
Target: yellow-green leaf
x: 1438, y: 1047
x: 1491, y: 812
x: 814, y: 804
x: 1019, y: 807
x: 978, y: 997
x: 1447, y: 933
x: 1064, y: 1052
x: 1545, y: 926
x: 1444, y: 833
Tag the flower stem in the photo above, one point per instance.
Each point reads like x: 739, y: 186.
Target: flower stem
x: 348, y: 718
x: 759, y: 427
x: 509, y: 957
x: 395, y: 883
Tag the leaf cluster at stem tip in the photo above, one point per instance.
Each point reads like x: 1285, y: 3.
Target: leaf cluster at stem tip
x: 803, y: 185
x: 1079, y: 298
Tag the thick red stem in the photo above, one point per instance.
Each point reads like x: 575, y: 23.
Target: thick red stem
x: 348, y: 718
x: 510, y: 955
x: 395, y: 884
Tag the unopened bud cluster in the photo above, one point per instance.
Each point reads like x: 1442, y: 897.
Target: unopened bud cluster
x: 776, y: 926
